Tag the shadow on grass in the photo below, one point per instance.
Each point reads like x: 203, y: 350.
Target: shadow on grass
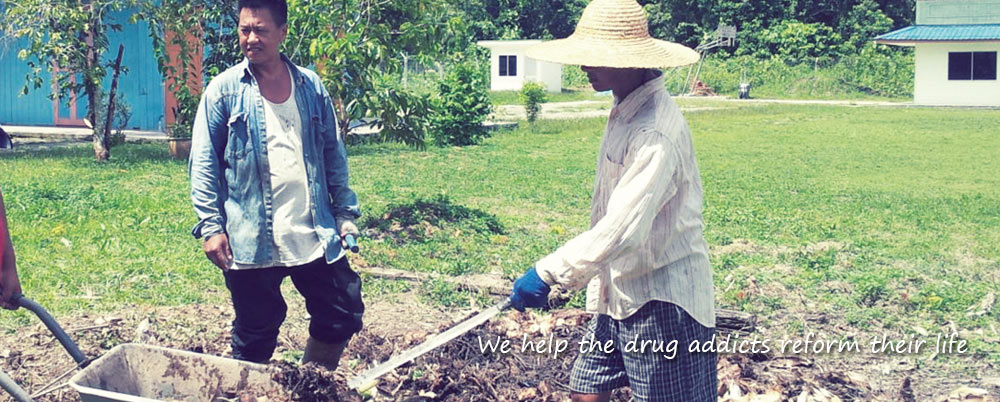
x: 422, y: 218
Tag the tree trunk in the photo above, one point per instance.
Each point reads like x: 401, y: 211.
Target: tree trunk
x: 101, y: 149
x: 345, y: 120
x: 109, y: 121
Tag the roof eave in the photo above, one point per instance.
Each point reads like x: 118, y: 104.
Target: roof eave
x: 914, y: 42
x: 895, y: 42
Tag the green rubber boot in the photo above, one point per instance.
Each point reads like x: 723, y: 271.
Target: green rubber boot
x: 323, y: 354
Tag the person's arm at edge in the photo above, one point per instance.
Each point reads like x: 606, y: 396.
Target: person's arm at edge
x: 647, y: 184
x: 9, y: 282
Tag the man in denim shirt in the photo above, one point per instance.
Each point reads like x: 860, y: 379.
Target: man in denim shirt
x: 269, y: 184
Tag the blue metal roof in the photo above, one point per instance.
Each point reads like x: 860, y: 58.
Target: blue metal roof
x: 956, y: 32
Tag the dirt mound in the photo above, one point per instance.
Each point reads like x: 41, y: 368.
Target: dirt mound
x: 457, y: 371
x: 424, y: 218
x: 310, y: 382
x: 461, y: 371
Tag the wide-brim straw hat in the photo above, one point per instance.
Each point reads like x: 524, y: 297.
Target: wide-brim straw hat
x: 614, y: 33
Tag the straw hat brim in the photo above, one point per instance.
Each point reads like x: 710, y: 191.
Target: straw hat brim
x: 615, y: 53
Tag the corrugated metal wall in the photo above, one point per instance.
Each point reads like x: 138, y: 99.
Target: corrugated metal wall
x: 32, y: 109
x: 939, y: 12
x: 142, y: 85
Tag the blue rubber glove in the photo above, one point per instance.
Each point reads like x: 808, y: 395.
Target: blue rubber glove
x: 530, y: 291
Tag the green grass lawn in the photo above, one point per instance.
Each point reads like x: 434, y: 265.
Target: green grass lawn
x: 882, y: 218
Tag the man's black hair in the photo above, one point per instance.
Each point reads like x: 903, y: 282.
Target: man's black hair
x: 278, y: 8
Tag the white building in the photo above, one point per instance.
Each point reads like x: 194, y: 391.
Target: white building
x: 955, y: 45
x: 510, y: 68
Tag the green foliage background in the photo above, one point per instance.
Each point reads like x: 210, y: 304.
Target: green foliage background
x: 365, y: 50
x: 814, y: 49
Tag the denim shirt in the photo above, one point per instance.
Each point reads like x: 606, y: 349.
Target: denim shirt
x: 230, y: 174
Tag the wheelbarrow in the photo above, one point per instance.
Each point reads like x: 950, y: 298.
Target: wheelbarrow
x: 136, y: 372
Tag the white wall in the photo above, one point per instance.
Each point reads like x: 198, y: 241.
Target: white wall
x: 506, y: 83
x: 931, y: 84
x: 549, y: 74
x: 545, y: 73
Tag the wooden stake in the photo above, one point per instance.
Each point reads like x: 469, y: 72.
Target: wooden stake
x: 111, y: 99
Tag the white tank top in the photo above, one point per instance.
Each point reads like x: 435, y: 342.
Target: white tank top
x: 295, y: 239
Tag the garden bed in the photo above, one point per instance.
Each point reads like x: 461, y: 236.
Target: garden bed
x: 457, y: 371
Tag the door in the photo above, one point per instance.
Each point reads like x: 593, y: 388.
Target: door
x: 69, y: 111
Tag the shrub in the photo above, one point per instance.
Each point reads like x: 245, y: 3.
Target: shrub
x: 405, y: 116
x: 879, y: 70
x: 533, y: 96
x: 863, y: 23
x: 573, y: 77
x: 796, y: 42
x: 463, y: 105
x: 869, y: 290
x: 438, y: 211
x: 119, y: 123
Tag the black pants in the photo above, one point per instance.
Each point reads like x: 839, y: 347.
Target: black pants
x: 333, y: 300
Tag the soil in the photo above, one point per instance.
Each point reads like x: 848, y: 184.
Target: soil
x: 457, y: 371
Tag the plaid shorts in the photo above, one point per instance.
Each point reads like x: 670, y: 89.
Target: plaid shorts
x: 654, y: 367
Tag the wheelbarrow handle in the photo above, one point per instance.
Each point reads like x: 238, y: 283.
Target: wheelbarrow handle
x: 54, y: 327
x: 8, y: 384
x: 352, y: 243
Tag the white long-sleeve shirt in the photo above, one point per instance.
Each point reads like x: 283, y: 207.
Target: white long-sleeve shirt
x: 645, y: 241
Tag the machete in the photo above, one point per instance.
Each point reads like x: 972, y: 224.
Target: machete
x: 428, y: 345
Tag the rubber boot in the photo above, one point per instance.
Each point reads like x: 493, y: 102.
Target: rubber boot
x: 323, y: 354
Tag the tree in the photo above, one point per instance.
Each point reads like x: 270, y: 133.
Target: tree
x: 67, y: 38
x: 796, y: 42
x: 863, y: 23
x: 219, y: 21
x: 520, y: 19
x: 358, y: 47
x: 681, y: 21
x: 177, y: 24
x: 901, y: 12
x: 463, y: 105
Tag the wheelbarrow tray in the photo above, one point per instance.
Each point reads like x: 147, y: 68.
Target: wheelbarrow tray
x: 135, y: 372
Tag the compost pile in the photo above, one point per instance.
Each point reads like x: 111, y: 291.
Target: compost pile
x: 310, y: 382
x: 461, y: 371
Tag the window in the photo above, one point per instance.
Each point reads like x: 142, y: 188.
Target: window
x: 959, y: 65
x: 972, y: 65
x: 508, y: 66
x: 984, y: 66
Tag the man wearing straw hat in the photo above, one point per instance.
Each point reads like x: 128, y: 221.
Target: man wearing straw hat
x: 644, y: 259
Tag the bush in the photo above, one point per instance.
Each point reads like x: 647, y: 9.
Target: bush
x: 123, y: 113
x: 574, y: 78
x: 796, y: 42
x: 462, y: 107
x: 864, y: 23
x: 533, y: 96
x: 879, y: 70
x: 405, y: 116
